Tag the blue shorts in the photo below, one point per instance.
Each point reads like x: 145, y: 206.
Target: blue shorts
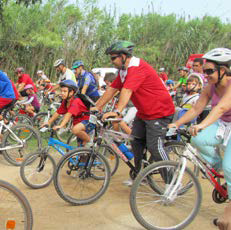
x: 89, y: 126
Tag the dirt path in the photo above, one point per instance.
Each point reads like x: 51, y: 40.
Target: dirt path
x: 111, y: 212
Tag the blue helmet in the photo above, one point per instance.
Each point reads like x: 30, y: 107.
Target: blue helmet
x: 69, y: 84
x: 77, y: 64
x: 169, y: 82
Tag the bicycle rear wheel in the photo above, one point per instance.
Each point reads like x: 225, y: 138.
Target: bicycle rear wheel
x: 152, y: 203
x: 31, y: 142
x: 37, y: 170
x: 15, y: 209
x: 82, y: 177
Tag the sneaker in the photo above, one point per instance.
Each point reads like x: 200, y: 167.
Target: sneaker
x: 128, y: 182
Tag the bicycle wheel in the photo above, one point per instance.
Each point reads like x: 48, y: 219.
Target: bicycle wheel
x: 165, y: 207
x: 65, y: 133
x: 23, y: 119
x: 175, y: 150
x: 37, y: 170
x: 39, y: 119
x: 111, y: 157
x: 15, y: 209
x: 31, y: 142
x: 79, y: 182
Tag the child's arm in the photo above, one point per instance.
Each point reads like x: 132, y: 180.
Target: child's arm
x: 65, y: 120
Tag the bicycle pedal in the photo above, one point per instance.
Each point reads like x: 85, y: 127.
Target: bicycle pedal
x: 68, y: 172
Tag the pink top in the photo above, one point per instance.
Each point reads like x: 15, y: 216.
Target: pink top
x: 215, y: 100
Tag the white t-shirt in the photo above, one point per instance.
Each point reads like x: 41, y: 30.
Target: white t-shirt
x: 68, y: 75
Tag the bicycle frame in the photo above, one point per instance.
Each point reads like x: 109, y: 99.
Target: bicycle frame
x: 210, y: 173
x: 2, y: 124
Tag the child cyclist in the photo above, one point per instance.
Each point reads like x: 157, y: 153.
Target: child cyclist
x: 72, y: 107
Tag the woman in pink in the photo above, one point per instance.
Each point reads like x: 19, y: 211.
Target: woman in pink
x: 215, y: 129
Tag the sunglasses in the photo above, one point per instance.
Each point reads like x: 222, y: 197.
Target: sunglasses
x: 114, y: 57
x: 195, y: 65
x: 209, y: 71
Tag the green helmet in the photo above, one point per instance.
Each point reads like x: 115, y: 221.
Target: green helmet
x: 119, y: 47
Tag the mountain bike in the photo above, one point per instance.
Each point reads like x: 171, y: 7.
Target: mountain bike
x: 173, y: 201
x: 16, y: 212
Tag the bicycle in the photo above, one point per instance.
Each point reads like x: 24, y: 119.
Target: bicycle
x: 175, y: 197
x: 16, y: 212
x: 17, y: 141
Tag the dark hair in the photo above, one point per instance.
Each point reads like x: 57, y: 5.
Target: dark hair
x: 110, y: 77
x: 200, y: 60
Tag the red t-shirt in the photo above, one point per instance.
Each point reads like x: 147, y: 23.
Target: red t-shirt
x: 15, y: 90
x: 25, y: 78
x: 149, y: 96
x: 76, y: 108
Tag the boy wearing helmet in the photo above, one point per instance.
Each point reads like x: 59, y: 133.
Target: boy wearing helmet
x: 138, y: 81
x: 215, y: 129
x: 72, y: 107
x: 86, y: 81
x: 34, y: 105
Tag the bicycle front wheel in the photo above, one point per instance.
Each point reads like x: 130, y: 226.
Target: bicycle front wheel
x: 82, y: 177
x: 30, y: 139
x: 37, y: 170
x: 158, y: 201
x: 15, y: 209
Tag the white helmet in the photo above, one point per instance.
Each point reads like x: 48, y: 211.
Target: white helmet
x: 39, y: 71
x: 221, y: 56
x: 198, y: 76
x: 161, y: 69
x: 59, y: 62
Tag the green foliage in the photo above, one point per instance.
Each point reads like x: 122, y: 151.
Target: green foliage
x: 34, y: 35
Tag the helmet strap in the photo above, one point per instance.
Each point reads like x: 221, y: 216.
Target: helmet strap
x: 123, y: 62
x: 191, y: 90
x: 220, y: 77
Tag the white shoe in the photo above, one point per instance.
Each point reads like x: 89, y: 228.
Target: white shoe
x: 128, y: 182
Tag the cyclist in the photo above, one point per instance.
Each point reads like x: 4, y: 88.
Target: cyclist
x: 183, y: 71
x: 86, y: 81
x: 34, y: 106
x: 163, y: 75
x: 138, y: 81
x: 72, y: 107
x: 42, y: 77
x: 64, y: 73
x: 23, y: 80
x: 7, y: 94
x: 216, y: 127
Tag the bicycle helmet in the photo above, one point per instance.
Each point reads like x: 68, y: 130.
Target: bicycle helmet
x: 29, y: 86
x: 183, y: 68
x: 69, y: 84
x: 120, y: 47
x: 221, y: 56
x: 169, y: 82
x: 162, y: 69
x: 19, y: 70
x: 39, y: 71
x: 77, y: 64
x: 197, y: 76
x: 59, y: 62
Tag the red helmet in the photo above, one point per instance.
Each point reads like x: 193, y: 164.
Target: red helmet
x: 19, y: 70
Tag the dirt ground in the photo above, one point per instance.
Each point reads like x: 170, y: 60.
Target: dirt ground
x: 111, y: 212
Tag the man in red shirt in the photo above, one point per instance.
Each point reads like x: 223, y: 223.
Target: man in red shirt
x: 23, y: 80
x: 138, y: 81
x: 163, y: 75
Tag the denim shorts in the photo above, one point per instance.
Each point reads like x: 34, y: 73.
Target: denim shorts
x: 89, y: 126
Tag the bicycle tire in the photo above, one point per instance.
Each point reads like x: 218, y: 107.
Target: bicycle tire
x: 14, y: 207
x: 175, y: 150
x: 106, y: 151
x: 72, y: 186
x: 37, y: 171
x: 161, y: 213
x: 30, y: 137
x: 39, y: 119
x: 23, y: 119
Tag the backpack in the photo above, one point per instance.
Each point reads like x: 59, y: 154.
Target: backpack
x: 86, y: 100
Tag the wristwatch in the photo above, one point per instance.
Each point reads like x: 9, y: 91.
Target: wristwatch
x: 118, y: 112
